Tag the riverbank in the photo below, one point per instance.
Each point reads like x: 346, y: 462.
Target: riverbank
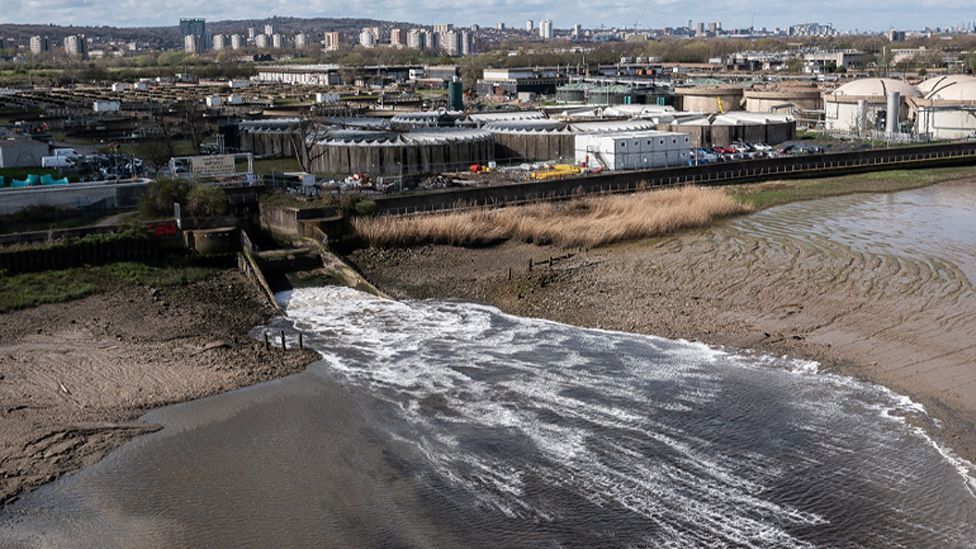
x: 903, y: 321
x: 74, y: 376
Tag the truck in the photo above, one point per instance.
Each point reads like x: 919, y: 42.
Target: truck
x: 57, y: 161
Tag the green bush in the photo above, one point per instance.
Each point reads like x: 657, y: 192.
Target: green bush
x: 160, y: 195
x: 206, y: 201
x: 364, y: 207
x: 355, y: 205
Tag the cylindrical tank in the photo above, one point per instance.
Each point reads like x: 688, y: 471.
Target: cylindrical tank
x: 455, y: 95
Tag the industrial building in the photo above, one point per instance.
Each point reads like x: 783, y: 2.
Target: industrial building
x: 724, y: 129
x: 632, y: 150
x: 595, y: 93
x: 418, y: 152
x: 947, y: 110
x: 861, y: 106
x: 512, y: 82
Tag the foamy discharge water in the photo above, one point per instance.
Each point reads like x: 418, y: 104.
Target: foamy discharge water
x: 529, y: 429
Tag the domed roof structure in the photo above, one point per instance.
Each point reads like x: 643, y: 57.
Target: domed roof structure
x: 938, y: 83
x: 876, y: 87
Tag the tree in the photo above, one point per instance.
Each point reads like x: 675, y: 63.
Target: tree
x: 970, y: 62
x: 160, y: 196
x: 303, y: 142
x: 203, y: 201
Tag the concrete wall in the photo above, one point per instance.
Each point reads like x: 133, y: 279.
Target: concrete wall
x: 109, y: 196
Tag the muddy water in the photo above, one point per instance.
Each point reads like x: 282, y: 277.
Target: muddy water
x: 440, y: 424
x: 937, y: 224
x: 449, y: 424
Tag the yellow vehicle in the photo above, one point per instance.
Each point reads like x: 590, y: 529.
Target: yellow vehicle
x: 557, y: 171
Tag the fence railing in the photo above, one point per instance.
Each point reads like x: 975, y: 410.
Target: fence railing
x: 711, y: 174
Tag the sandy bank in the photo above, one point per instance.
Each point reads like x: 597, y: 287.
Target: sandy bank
x: 905, y: 322
x: 73, y: 376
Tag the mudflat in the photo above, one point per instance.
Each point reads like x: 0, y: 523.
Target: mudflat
x: 75, y: 376
x: 898, y: 310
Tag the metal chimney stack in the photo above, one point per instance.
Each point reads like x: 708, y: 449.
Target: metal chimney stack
x: 894, y: 103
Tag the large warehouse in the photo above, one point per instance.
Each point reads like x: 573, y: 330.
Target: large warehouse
x: 948, y: 108
x: 843, y: 111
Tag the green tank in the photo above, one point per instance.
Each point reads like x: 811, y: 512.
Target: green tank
x: 455, y: 95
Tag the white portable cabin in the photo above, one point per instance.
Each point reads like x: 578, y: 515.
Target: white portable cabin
x: 633, y: 150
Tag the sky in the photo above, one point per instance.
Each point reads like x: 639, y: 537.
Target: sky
x: 843, y: 14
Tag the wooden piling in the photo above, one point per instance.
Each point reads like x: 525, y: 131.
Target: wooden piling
x: 267, y: 342
x: 283, y: 346
x: 509, y: 273
x: 530, y: 264
x: 301, y: 342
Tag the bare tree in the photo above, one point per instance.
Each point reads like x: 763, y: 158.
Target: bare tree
x: 304, y: 138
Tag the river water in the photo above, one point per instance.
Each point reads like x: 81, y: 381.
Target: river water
x: 443, y: 424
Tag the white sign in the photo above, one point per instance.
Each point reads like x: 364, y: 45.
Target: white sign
x: 218, y: 165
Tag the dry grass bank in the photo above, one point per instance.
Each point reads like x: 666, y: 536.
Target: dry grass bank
x: 588, y: 222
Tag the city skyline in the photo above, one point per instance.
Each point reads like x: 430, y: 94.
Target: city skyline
x: 844, y: 16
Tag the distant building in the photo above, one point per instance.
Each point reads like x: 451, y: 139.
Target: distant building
x: 261, y: 41
x: 417, y: 39
x: 530, y: 25
x: 191, y: 44
x: 577, y: 31
x: 301, y: 41
x: 39, y: 44
x: 331, y: 42
x: 545, y: 29
x: 251, y: 33
x: 895, y: 35
x: 500, y: 26
x: 236, y: 41
x: 196, y: 28
x: 366, y: 38
x: 467, y: 43
x: 396, y: 37
x: 450, y: 42
x: 269, y: 29
x: 277, y: 41
x: 74, y: 45
x: 219, y: 42
x: 443, y: 28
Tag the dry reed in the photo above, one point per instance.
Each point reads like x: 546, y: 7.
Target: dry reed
x: 588, y: 222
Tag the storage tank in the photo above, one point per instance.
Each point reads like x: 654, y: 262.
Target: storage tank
x: 841, y: 105
x: 455, y: 95
x: 711, y: 99
x: 783, y: 99
x: 947, y: 109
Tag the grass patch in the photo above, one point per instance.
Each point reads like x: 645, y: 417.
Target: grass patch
x: 267, y: 166
x: 32, y: 289
x: 42, y: 218
x: 589, y: 222
x: 774, y: 193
